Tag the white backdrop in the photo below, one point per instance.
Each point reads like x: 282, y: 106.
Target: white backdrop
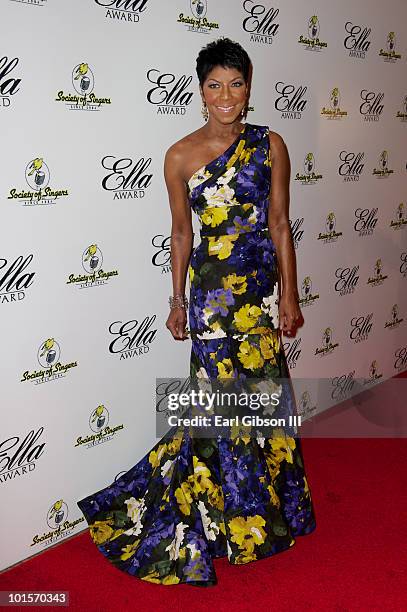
x: 82, y: 193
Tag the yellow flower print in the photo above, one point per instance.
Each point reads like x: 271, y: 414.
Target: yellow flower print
x: 191, y: 273
x: 282, y: 447
x: 241, y: 228
x: 171, y: 579
x: 156, y: 456
x: 198, y: 177
x: 245, y: 557
x: 215, y: 327
x: 247, y: 155
x: 221, y: 246
x: 116, y: 534
x: 250, y: 356
x: 272, y: 465
x: 246, y: 317
x: 215, y: 498
x: 214, y: 215
x: 152, y: 577
x: 241, y: 154
x: 240, y: 432
x: 268, y: 161
x: 175, y: 444
x: 270, y: 346
x: 236, y: 155
x: 238, y: 284
x: 273, y: 496
x: 247, y: 532
x: 225, y: 368
x: 129, y: 550
x: 200, y: 480
x: 216, y: 302
x: 101, y: 531
x: 183, y: 495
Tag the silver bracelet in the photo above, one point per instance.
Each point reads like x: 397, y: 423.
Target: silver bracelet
x: 178, y: 301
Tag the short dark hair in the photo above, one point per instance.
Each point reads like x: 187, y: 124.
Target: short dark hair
x: 222, y: 52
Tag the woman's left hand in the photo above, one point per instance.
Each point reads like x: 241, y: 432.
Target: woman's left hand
x: 289, y: 313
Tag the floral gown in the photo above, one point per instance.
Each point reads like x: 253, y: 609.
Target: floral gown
x: 189, y: 499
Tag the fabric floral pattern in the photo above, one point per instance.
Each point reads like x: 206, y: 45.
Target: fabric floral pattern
x: 230, y: 196
x: 190, y: 500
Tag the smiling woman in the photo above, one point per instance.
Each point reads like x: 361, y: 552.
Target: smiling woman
x: 241, y: 495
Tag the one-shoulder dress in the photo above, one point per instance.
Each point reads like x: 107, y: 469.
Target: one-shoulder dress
x: 192, y: 499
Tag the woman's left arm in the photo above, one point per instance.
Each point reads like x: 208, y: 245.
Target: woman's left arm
x: 280, y: 231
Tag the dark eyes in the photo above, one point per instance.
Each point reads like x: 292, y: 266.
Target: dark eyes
x: 237, y: 83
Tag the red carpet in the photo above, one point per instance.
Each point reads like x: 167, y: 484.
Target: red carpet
x: 354, y: 560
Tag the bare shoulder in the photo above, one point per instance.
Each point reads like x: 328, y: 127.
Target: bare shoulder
x: 278, y: 148
x: 277, y: 142
x: 179, y: 152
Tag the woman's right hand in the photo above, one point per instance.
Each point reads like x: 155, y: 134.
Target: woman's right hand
x: 176, y: 323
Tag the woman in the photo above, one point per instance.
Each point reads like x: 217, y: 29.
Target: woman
x: 242, y: 495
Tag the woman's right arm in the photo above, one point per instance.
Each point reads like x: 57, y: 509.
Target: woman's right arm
x: 181, y: 235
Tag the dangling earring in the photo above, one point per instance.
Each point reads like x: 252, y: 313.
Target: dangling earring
x: 245, y: 109
x: 204, y: 110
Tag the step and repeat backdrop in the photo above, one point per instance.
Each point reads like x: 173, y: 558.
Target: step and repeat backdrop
x: 92, y: 94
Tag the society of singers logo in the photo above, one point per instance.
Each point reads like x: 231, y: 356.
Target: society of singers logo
x: 383, y: 170
x: 378, y: 278
x: 100, y: 429
x: 389, y: 54
x: 95, y: 275
x: 84, y: 98
x: 51, y: 368
x: 328, y: 344
x: 307, y: 296
x: 330, y: 235
x: 334, y: 111
x: 197, y: 19
x: 58, y: 525
x: 309, y: 174
x: 39, y: 191
x: 311, y: 40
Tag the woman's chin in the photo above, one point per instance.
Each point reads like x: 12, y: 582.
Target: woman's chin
x: 227, y: 118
